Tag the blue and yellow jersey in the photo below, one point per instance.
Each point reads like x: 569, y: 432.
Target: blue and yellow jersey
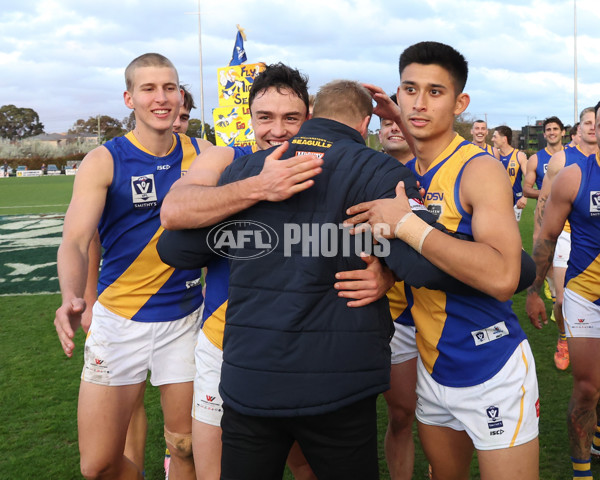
x: 462, y: 340
x: 583, y: 272
x: 401, y: 301
x: 488, y: 149
x: 573, y: 155
x: 513, y: 168
x: 134, y: 283
x: 217, y: 287
x: 543, y: 157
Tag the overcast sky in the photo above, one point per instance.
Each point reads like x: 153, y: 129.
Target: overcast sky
x: 65, y: 58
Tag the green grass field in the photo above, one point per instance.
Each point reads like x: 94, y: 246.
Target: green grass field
x: 39, y: 385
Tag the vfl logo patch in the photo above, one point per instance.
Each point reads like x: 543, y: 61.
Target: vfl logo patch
x: 143, y: 191
x: 490, y: 334
x: 494, y: 419
x: 594, y: 204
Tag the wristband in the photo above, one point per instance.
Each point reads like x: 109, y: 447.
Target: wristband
x: 412, y: 230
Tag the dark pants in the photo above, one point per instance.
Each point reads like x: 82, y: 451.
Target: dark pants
x: 338, y: 445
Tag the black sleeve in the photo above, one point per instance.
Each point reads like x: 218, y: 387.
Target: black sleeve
x: 527, y: 272
x: 417, y: 271
x: 185, y: 249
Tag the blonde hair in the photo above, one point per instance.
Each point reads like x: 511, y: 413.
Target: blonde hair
x: 346, y: 101
x: 147, y: 60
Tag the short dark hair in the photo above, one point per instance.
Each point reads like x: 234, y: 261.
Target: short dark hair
x: 505, y: 132
x: 435, y: 53
x: 188, y: 99
x: 553, y: 120
x: 281, y: 77
x: 573, y: 130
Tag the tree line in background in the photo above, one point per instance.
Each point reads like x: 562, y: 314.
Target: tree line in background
x: 18, y: 123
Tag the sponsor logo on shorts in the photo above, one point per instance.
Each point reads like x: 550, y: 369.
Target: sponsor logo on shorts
x: 594, y: 204
x: 143, y: 191
x: 98, y: 361
x: 497, y: 432
x: 490, y: 334
x: 537, y: 408
x: 494, y: 419
x: 210, y: 398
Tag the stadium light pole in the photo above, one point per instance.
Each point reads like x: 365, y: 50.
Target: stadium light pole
x: 575, y: 61
x: 203, y: 134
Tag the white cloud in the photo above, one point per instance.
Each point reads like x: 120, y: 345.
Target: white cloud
x: 65, y: 59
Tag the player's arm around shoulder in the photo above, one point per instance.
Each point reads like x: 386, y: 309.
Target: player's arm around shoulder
x: 491, y: 263
x: 187, y: 205
x: 93, y: 178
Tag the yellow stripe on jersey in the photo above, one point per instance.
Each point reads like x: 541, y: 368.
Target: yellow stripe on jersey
x: 397, y: 299
x: 123, y: 297
x: 586, y: 283
x: 424, y: 305
x: 214, y: 326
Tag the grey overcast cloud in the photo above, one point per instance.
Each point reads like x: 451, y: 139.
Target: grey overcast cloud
x: 65, y: 58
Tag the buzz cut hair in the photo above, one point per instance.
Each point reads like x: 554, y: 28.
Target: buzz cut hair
x: 147, y: 60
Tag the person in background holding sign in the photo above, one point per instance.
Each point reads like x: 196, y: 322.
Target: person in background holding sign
x: 147, y: 313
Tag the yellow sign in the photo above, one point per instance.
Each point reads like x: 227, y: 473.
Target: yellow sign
x: 233, y: 127
x: 234, y: 83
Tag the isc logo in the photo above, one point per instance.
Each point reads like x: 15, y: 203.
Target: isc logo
x: 433, y: 196
x: 163, y: 167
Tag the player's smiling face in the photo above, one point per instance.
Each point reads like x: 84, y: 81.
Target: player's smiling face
x: 479, y: 132
x: 155, y: 97
x: 428, y: 100
x: 276, y: 116
x: 553, y: 133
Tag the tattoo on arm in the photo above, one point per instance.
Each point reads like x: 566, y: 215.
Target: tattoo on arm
x: 543, y: 254
x: 539, y: 211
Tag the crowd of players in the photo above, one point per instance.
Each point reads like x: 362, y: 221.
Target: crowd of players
x: 293, y: 374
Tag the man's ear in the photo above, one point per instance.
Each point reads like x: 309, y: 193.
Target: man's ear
x: 363, y: 127
x: 127, y: 99
x: 462, y: 102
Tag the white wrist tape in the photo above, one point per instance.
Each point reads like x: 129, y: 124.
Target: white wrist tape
x: 412, y: 230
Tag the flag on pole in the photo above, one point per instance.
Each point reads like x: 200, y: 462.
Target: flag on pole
x: 239, y: 54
